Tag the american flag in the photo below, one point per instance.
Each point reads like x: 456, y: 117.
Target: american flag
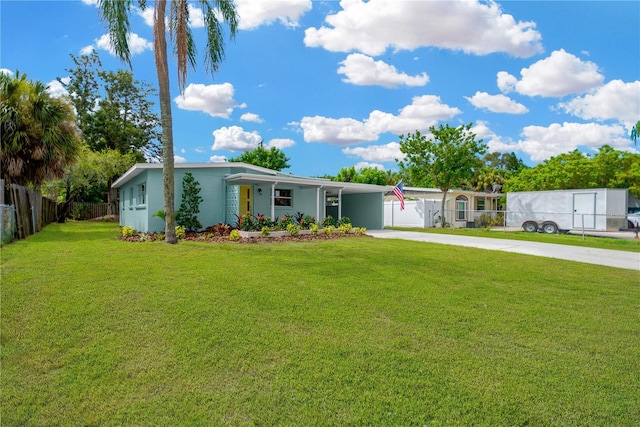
x: 399, y: 193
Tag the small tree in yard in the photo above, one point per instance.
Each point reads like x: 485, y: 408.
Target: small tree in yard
x: 187, y: 215
x: 449, y: 158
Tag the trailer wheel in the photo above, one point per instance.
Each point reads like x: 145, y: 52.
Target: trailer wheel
x: 530, y: 226
x: 549, y: 227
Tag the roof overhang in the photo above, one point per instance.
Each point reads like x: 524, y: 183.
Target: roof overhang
x: 331, y: 187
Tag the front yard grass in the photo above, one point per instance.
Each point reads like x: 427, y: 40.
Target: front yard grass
x: 358, y: 331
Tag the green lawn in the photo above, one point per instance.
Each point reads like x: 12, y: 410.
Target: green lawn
x: 355, y: 331
x: 630, y: 245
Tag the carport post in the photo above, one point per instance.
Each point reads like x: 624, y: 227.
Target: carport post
x: 339, y: 204
x: 273, y: 198
x: 318, y: 204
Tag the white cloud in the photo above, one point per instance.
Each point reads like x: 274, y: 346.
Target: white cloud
x: 234, y: 138
x: 179, y: 159
x: 90, y: 2
x: 471, y: 26
x: 87, y: 50
x: 196, y: 17
x: 541, y: 142
x: 377, y: 153
x: 362, y: 165
x: 342, y: 132
x: 280, y: 143
x: 424, y: 111
x: 136, y: 43
x: 558, y: 75
x: 215, y: 100
x: 217, y: 159
x: 362, y: 70
x: 616, y: 100
x: 251, y: 117
x: 6, y: 71
x: 254, y: 13
x: 57, y: 89
x: 496, y: 103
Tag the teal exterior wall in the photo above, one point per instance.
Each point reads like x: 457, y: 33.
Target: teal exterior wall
x: 220, y: 202
x: 364, y: 210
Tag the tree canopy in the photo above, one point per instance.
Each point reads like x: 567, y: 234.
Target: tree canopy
x: 448, y: 158
x: 272, y: 158
x: 609, y: 168
x: 39, y: 136
x: 366, y: 175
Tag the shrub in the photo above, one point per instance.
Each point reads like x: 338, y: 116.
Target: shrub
x: 180, y: 232
x: 313, y: 228
x: 234, y: 235
x: 127, y: 231
x: 344, y: 229
x: 246, y: 222
x: 344, y: 221
x: 329, y: 229
x: 306, y: 221
x: 293, y: 229
x: 80, y: 211
x: 329, y: 220
x: 187, y: 215
x: 359, y: 230
x: 285, y: 221
x: 265, y: 231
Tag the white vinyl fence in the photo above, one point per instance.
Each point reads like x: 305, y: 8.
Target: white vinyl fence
x: 423, y: 213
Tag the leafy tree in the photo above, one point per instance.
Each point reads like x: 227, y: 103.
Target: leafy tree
x: 187, y: 215
x: 272, y: 158
x: 449, y: 157
x: 609, y: 168
x: 116, y: 14
x: 114, y: 109
x: 372, y: 176
x: 347, y: 174
x: 38, y: 132
x: 89, y: 179
x: 496, y: 170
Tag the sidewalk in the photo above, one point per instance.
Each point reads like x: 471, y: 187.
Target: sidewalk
x: 610, y: 258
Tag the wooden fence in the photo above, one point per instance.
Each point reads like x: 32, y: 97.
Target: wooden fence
x: 28, y: 211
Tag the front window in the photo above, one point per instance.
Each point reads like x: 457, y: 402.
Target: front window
x: 461, y: 208
x: 142, y: 194
x: 480, y: 204
x: 283, y: 198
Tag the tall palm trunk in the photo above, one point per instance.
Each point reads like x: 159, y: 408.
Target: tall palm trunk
x: 162, y: 68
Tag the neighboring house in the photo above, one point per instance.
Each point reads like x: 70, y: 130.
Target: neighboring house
x: 233, y: 189
x: 463, y: 208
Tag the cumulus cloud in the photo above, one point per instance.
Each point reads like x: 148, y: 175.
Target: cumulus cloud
x: 558, y: 75
x: 136, y: 43
x: 251, y: 117
x: 254, y: 13
x: 215, y: 100
x: 377, y: 153
x: 234, y: 138
x: 362, y: 165
x: 280, y: 143
x: 541, y: 142
x: 473, y: 27
x: 196, y: 17
x: 6, y: 71
x: 362, y: 70
x: 423, y: 112
x: 57, y: 89
x: 616, y: 100
x: 496, y: 103
x: 217, y: 159
x: 179, y: 159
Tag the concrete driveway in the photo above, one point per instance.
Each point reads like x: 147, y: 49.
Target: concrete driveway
x: 611, y: 258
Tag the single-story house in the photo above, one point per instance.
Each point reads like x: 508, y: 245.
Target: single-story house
x: 463, y: 208
x: 232, y: 189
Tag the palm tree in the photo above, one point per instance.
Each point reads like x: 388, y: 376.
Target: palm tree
x: 39, y: 137
x: 635, y: 132
x: 116, y: 14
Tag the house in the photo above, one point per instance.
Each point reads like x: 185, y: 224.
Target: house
x: 231, y: 189
x: 463, y: 208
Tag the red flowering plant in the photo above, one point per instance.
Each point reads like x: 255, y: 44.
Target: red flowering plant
x: 284, y: 222
x: 246, y: 222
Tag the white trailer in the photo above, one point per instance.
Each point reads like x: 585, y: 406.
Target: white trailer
x: 600, y: 209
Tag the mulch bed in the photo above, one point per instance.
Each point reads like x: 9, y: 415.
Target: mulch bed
x: 209, y: 238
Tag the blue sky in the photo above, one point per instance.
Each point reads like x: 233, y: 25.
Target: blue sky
x: 333, y: 83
